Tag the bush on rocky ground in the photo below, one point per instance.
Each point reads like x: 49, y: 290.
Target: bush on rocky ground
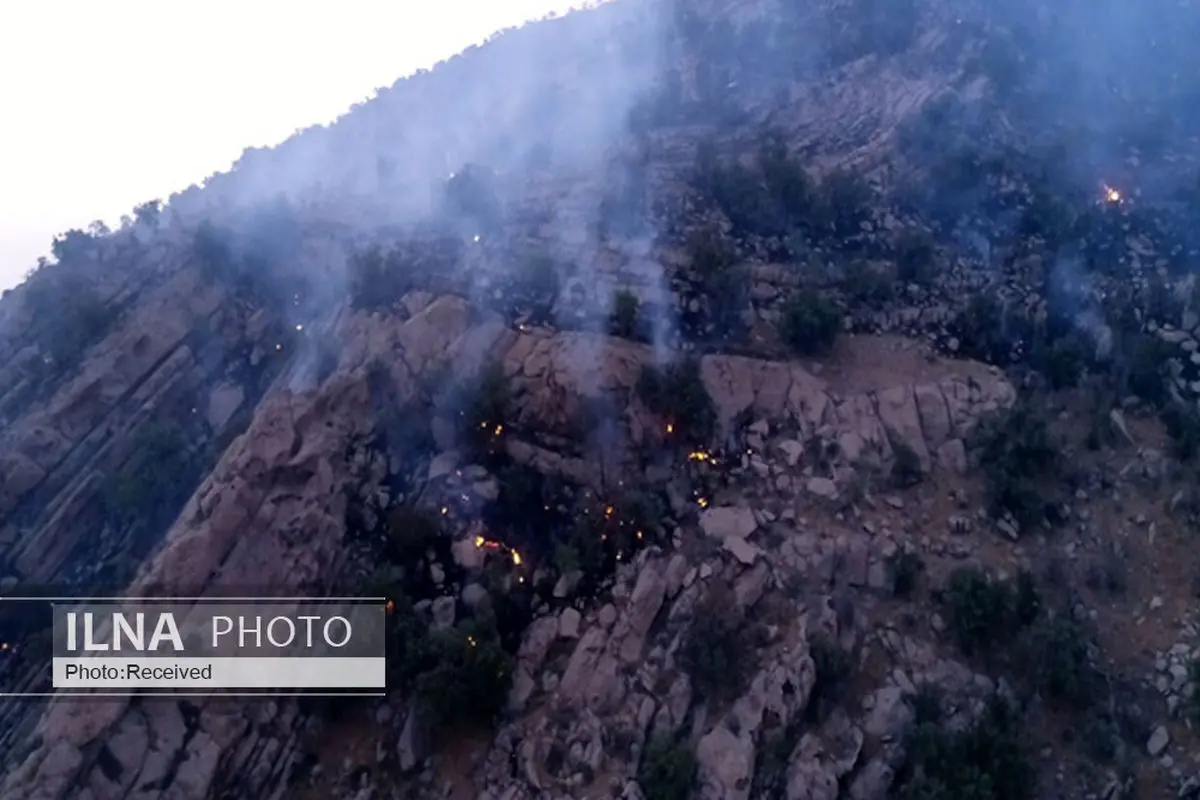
x: 1063, y: 361
x: 906, y: 467
x: 411, y: 531
x: 914, y: 254
x: 472, y: 196
x: 483, y: 406
x: 834, y: 668
x: 717, y: 649
x: 1054, y: 654
x: 810, y: 324
x: 991, y: 330
x: 623, y: 319
x: 1183, y: 426
x: 843, y: 204
x: 982, y: 613
x: 158, y: 477
x: 607, y: 533
x: 867, y: 285
x: 987, y: 760
x: 536, y: 283
x: 1141, y: 369
x: 676, y: 393
x: 80, y: 320
x: 721, y: 282
x: 668, y: 769
x: 1023, y: 466
x: 377, y: 279
x: 905, y: 569
x: 467, y: 674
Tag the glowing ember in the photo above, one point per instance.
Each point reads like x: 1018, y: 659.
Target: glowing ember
x: 608, y: 511
x: 702, y: 502
x: 479, y: 540
x: 670, y: 428
x: 516, y: 557
x: 391, y: 606
x: 699, y: 455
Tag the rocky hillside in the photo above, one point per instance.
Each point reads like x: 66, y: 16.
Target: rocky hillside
x: 736, y: 399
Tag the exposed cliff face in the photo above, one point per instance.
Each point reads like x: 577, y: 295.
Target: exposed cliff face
x: 272, y: 513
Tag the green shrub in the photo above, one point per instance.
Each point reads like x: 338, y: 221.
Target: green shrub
x: 483, y: 410
x: 1183, y: 426
x: 537, y: 281
x: 716, y: 650
x: 905, y: 569
x: 810, y: 324
x: 1062, y: 361
x: 1023, y: 466
x: 842, y: 207
x: 914, y: 253
x: 834, y: 669
x: 668, y: 770
x: 982, y: 613
x: 623, y: 320
x: 867, y: 285
x: 1144, y: 367
x: 158, y: 477
x: 410, y: 533
x: 988, y: 760
x: 469, y: 677
x: 80, y: 320
x: 676, y: 393
x: 1055, y: 655
x: 906, y: 466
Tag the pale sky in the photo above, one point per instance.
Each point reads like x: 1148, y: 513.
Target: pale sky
x: 109, y: 103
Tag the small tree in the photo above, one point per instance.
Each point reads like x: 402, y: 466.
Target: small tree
x: 668, y: 770
x: 470, y: 676
x: 484, y: 409
x: 716, y: 650
x: 676, y: 393
x: 623, y: 320
x: 810, y: 324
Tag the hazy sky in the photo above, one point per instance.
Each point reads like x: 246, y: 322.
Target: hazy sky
x: 108, y: 103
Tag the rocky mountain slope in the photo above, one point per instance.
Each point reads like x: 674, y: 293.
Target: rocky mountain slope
x: 737, y: 399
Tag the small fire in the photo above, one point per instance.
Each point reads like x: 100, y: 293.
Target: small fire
x: 516, y: 557
x: 699, y: 455
x: 1111, y: 195
x: 486, y: 544
x: 670, y: 428
x: 702, y: 502
x: 608, y: 511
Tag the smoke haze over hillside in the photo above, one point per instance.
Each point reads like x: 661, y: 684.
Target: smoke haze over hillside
x: 109, y: 105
